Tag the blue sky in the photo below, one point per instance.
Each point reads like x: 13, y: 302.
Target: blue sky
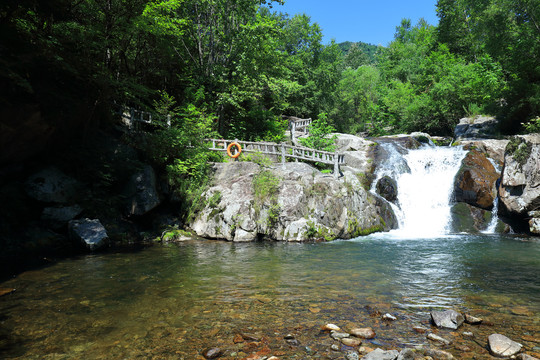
x: 370, y: 21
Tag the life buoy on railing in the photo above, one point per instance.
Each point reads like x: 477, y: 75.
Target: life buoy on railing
x: 238, y: 147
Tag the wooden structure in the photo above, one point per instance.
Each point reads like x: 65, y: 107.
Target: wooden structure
x: 284, y: 151
x: 132, y: 116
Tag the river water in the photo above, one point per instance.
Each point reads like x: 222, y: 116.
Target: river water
x: 173, y: 301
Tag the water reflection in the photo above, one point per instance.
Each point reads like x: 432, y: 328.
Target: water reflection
x: 172, y: 296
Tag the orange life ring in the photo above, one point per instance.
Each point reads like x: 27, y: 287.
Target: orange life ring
x: 237, y: 145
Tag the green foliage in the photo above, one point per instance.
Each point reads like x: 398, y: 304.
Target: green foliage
x: 265, y: 189
x: 532, y: 126
x: 257, y: 158
x: 319, y: 135
x: 520, y: 149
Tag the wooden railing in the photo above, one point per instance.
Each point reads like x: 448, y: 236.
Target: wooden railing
x: 132, y: 116
x: 297, y: 124
x: 284, y: 151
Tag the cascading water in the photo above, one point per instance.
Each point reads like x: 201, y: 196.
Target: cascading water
x: 425, y: 179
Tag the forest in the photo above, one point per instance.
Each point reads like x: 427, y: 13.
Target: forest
x: 233, y: 68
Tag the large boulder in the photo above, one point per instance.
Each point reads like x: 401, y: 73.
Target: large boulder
x: 475, y: 181
x: 88, y: 232
x: 477, y: 127
x: 492, y: 148
x: 387, y: 188
x: 141, y: 192
x: 52, y: 185
x: 519, y: 191
x: 295, y: 202
x: 358, y: 152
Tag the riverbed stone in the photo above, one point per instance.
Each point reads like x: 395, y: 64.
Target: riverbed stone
x: 88, y: 232
x: 330, y: 327
x: 338, y: 335
x: 212, y: 353
x: 469, y: 319
x: 389, y: 317
x: 406, y: 354
x: 449, y: 319
x: 364, y: 333
x: 437, y: 354
x: 380, y: 354
x: 351, y: 341
x: 502, y: 346
x: 525, y: 357
x: 438, y: 339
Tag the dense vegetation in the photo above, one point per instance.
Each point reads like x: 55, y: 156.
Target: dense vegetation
x: 234, y: 67
x: 246, y: 64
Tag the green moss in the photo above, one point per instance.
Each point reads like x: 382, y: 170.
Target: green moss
x: 265, y: 190
x: 258, y: 158
x: 520, y: 150
x: 173, y: 235
x: 315, y: 232
x: 355, y: 230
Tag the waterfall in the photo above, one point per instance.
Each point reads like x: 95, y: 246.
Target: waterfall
x: 492, y: 226
x: 425, y: 181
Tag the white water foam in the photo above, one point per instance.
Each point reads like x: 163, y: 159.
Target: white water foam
x: 424, y: 193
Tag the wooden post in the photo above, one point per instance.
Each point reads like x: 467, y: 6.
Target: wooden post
x: 283, y: 155
x: 131, y: 117
x: 293, y: 130
x: 336, y: 165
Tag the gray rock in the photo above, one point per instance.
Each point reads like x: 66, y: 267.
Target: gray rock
x: 437, y: 354
x: 337, y: 335
x: 52, y: 185
x: 501, y: 346
x: 88, y: 232
x: 476, y: 127
x: 352, y: 355
x: 468, y: 334
x: 469, y: 319
x: 519, y: 191
x: 438, y: 339
x: 492, y: 147
x: 406, y: 354
x: 349, y: 341
x: 389, y: 317
x: 379, y: 354
x: 449, y: 319
x: 348, y: 142
x: 534, y: 225
x: 141, y: 192
x: 364, y: 333
x: 525, y: 357
x: 57, y: 217
x: 387, y: 188
x: 212, y: 353
x: 305, y: 204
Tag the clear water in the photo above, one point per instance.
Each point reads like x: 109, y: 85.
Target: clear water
x: 173, y: 301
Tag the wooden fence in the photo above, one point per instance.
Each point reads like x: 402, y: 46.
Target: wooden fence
x: 132, y: 116
x: 284, y: 151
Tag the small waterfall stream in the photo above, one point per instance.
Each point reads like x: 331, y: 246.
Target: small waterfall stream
x: 425, y: 179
